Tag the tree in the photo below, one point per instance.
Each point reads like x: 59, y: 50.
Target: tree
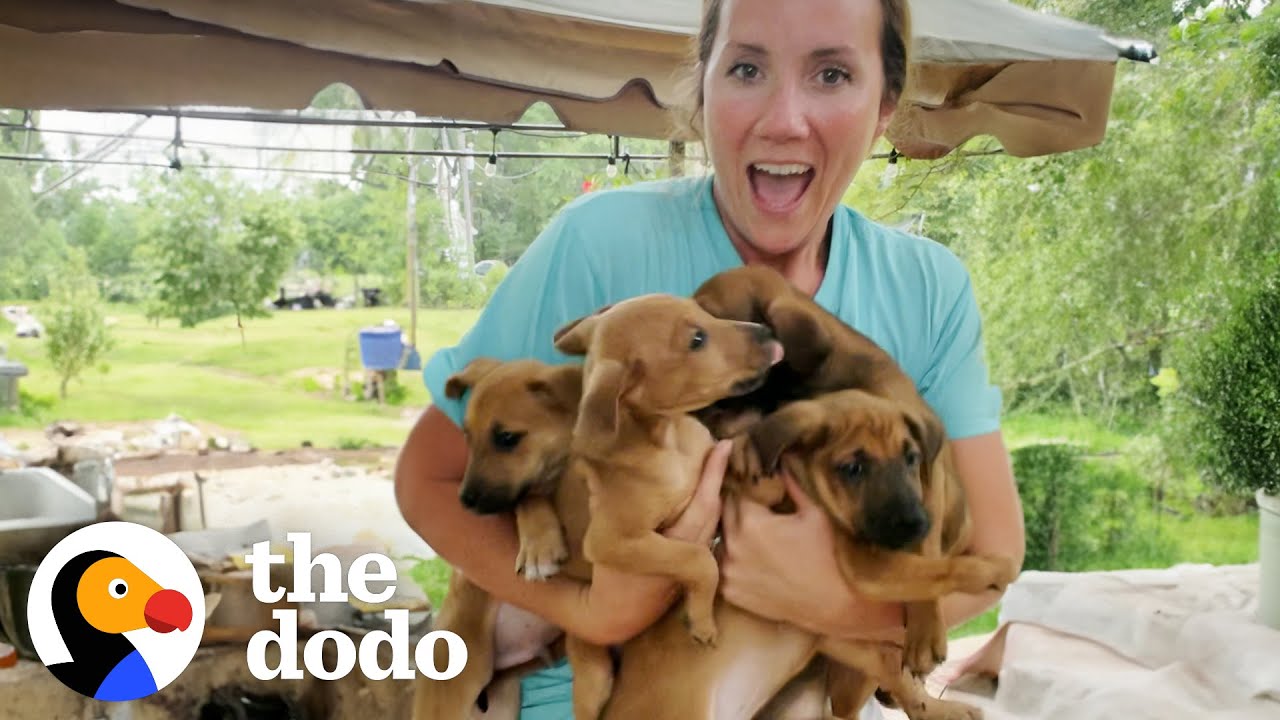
x: 77, y: 335
x: 215, y: 249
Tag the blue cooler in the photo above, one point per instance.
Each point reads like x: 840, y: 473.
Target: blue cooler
x: 381, y: 348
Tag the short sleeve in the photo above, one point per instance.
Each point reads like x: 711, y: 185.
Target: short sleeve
x: 551, y: 284
x: 957, y: 383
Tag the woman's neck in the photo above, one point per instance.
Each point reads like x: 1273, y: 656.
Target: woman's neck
x: 803, y: 267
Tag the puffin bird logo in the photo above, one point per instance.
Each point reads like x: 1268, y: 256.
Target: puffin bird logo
x: 105, y: 626
x: 97, y: 597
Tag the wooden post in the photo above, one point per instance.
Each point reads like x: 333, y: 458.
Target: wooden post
x: 675, y: 157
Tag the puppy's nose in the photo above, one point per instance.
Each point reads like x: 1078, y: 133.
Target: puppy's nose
x: 761, y: 333
x: 470, y: 496
x: 897, y: 527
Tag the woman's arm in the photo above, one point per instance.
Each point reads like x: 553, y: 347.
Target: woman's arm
x: 613, y: 608
x: 771, y: 567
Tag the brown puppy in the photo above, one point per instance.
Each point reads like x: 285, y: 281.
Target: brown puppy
x: 518, y: 425
x: 823, y: 354
x: 651, y: 360
x: 857, y: 456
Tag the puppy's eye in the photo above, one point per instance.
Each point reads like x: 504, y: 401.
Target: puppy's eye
x: 698, y: 340
x: 852, y: 470
x: 505, y: 439
x: 911, y: 456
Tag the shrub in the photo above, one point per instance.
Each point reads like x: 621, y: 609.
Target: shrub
x: 1232, y: 396
x: 1083, y: 514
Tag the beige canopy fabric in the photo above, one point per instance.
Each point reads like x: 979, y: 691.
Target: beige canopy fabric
x: 1038, y: 84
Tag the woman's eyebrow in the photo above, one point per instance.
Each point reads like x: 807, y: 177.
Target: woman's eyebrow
x: 829, y: 52
x: 746, y: 47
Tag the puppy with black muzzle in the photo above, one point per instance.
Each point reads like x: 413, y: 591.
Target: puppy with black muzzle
x: 519, y: 423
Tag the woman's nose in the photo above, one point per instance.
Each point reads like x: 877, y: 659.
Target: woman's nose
x: 784, y: 115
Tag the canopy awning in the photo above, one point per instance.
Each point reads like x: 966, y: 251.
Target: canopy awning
x: 1037, y: 83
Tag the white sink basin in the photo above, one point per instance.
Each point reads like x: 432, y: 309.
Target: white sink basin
x: 39, y: 507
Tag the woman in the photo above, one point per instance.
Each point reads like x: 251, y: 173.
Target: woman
x: 790, y: 99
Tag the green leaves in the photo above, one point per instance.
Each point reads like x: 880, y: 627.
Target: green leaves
x: 215, y: 248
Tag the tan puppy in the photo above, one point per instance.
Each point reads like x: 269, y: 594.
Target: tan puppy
x: 650, y: 360
x: 857, y: 456
x: 518, y: 425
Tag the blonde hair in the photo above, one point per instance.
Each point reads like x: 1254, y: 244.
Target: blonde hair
x: 895, y: 52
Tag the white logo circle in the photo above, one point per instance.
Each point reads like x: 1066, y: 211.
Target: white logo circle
x: 120, y: 628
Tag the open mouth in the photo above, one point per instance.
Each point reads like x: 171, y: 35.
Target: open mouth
x: 779, y: 187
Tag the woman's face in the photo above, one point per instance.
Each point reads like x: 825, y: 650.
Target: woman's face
x: 792, y: 105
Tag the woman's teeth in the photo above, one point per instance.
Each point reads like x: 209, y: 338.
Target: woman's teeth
x: 789, y: 169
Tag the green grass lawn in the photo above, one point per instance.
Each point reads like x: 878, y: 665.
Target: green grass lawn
x: 264, y: 388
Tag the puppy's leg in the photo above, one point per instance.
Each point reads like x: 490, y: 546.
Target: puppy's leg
x: 856, y: 669
x: 926, y: 642
x: 693, y: 566
x: 542, y: 546
x: 892, y: 576
x: 849, y: 689
x: 592, y: 677
x: 916, y: 702
x: 472, y: 613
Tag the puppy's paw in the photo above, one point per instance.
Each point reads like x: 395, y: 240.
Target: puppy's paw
x: 540, y: 558
x: 921, y: 654
x: 977, y: 573
x: 703, y: 630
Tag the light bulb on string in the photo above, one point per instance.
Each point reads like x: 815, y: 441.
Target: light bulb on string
x: 612, y: 168
x: 890, y: 170
x: 491, y: 167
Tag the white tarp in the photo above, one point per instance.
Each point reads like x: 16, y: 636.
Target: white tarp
x: 1039, y: 84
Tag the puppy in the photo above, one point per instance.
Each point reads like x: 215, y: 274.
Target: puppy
x: 860, y: 457
x: 518, y: 426
x: 823, y: 354
x: 651, y: 360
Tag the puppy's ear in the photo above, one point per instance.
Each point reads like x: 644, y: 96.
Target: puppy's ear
x: 796, y: 424
x: 468, y: 376
x: 575, y: 337
x: 560, y: 388
x: 804, y: 338
x: 928, y: 431
x: 728, y: 296
x: 604, y: 389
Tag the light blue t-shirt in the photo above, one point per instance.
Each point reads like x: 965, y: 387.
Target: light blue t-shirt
x: 909, y: 294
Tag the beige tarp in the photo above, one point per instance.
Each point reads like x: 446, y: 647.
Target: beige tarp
x: 1038, y: 84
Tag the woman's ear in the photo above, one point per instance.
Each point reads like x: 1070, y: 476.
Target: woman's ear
x: 468, y: 376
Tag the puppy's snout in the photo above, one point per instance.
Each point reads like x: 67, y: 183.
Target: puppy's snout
x: 476, y: 498
x: 898, y: 526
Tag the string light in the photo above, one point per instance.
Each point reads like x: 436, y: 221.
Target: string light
x: 491, y: 167
x: 611, y: 169
x: 890, y: 169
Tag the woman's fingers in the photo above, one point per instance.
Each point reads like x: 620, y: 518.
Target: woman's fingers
x: 699, y: 520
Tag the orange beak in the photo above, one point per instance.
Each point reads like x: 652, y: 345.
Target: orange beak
x: 168, y: 610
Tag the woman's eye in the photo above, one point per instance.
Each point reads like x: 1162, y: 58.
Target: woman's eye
x: 698, y: 340
x: 834, y: 76
x: 744, y: 71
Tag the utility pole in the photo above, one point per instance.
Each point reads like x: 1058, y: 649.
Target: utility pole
x: 411, y: 224
x: 468, y: 249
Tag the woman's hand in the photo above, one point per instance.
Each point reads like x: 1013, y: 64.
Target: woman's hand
x: 783, y: 567
x: 621, y: 605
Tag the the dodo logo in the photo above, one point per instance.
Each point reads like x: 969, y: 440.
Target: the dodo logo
x: 116, y: 611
